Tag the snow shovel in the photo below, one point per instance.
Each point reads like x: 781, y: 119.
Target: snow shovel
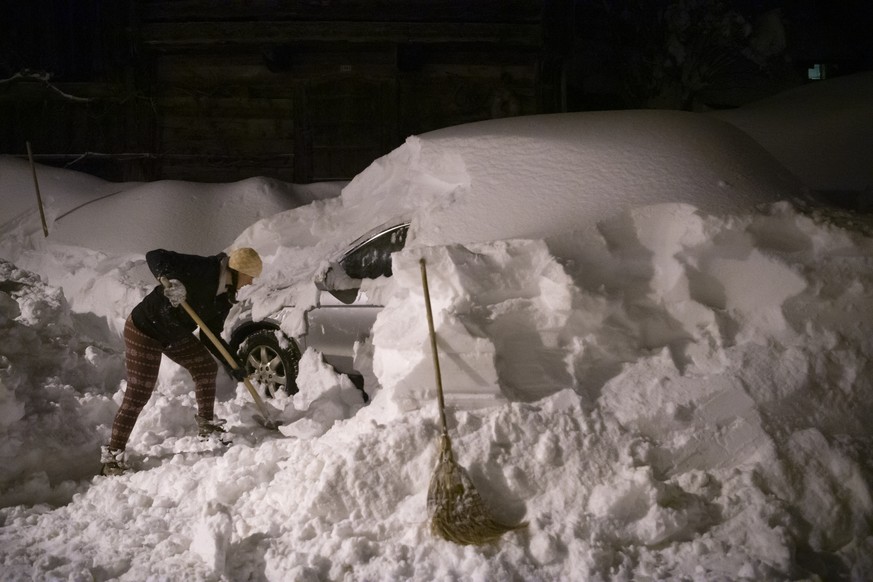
x: 456, y: 510
x: 264, y: 418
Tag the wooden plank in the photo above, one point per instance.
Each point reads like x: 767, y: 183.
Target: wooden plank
x: 355, y: 134
x: 225, y: 160
x: 411, y: 10
x: 241, y: 107
x: 174, y: 144
x: 171, y: 35
x: 191, y: 70
x: 313, y: 70
x: 247, y: 75
x: 342, y: 52
x: 501, y: 55
x: 338, y: 163
x: 223, y: 172
x: 355, y: 106
x: 250, y: 127
x: 278, y: 89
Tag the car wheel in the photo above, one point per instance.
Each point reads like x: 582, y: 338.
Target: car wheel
x: 269, y: 363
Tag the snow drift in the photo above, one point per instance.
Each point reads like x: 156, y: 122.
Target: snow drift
x: 675, y: 384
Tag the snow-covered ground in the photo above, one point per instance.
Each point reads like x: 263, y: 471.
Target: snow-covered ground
x: 676, y: 349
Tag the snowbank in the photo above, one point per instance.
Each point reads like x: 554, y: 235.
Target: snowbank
x: 818, y: 131
x: 675, y: 384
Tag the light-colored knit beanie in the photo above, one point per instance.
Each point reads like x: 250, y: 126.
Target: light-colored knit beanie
x: 246, y: 261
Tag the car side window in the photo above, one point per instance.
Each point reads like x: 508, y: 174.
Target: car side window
x: 372, y: 259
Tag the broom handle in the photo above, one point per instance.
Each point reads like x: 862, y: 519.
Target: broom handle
x: 433, y: 346
x: 220, y: 347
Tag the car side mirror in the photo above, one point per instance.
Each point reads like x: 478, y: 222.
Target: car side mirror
x: 335, y: 279
x: 346, y: 296
x: 321, y: 281
x: 337, y: 283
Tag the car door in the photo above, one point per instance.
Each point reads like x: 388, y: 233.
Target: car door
x: 344, y: 314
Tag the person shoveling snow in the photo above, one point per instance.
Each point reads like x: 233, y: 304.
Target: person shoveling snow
x: 158, y: 325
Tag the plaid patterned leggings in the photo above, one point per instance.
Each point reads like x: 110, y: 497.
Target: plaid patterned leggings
x: 143, y: 360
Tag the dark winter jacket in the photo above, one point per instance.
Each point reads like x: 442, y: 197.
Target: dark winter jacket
x: 158, y: 319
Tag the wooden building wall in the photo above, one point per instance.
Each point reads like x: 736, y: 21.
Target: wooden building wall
x: 67, y: 87
x: 311, y: 90
x: 299, y: 90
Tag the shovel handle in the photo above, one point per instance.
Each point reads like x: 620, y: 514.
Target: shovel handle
x: 220, y: 347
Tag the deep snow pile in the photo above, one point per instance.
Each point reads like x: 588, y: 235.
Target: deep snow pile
x: 674, y: 390
x: 704, y: 418
x: 535, y: 177
x: 110, y: 217
x: 811, y: 128
x: 46, y: 369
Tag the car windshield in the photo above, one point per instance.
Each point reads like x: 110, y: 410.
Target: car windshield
x: 372, y: 258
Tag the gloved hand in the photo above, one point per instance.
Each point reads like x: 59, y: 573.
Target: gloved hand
x: 239, y: 374
x: 175, y: 292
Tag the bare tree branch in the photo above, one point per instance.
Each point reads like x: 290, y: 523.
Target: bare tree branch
x: 44, y: 78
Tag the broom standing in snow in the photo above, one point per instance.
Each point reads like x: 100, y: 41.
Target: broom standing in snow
x: 457, y: 512
x: 159, y: 326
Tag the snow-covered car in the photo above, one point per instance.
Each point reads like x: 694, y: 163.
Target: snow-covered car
x: 341, y: 316
x: 558, y: 178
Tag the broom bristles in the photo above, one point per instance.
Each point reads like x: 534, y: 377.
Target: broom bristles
x: 456, y: 510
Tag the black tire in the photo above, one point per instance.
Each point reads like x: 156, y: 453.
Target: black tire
x: 268, y: 363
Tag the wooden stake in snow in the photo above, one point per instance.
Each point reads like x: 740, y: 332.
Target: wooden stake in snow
x: 45, y: 229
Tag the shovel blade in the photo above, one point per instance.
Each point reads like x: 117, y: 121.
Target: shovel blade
x: 268, y: 424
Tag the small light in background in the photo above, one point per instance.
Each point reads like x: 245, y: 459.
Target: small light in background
x: 816, y: 72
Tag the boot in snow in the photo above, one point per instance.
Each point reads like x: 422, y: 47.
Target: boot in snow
x: 212, y: 430
x: 113, y: 461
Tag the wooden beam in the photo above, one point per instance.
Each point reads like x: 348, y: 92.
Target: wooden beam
x: 371, y: 10
x: 186, y: 35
